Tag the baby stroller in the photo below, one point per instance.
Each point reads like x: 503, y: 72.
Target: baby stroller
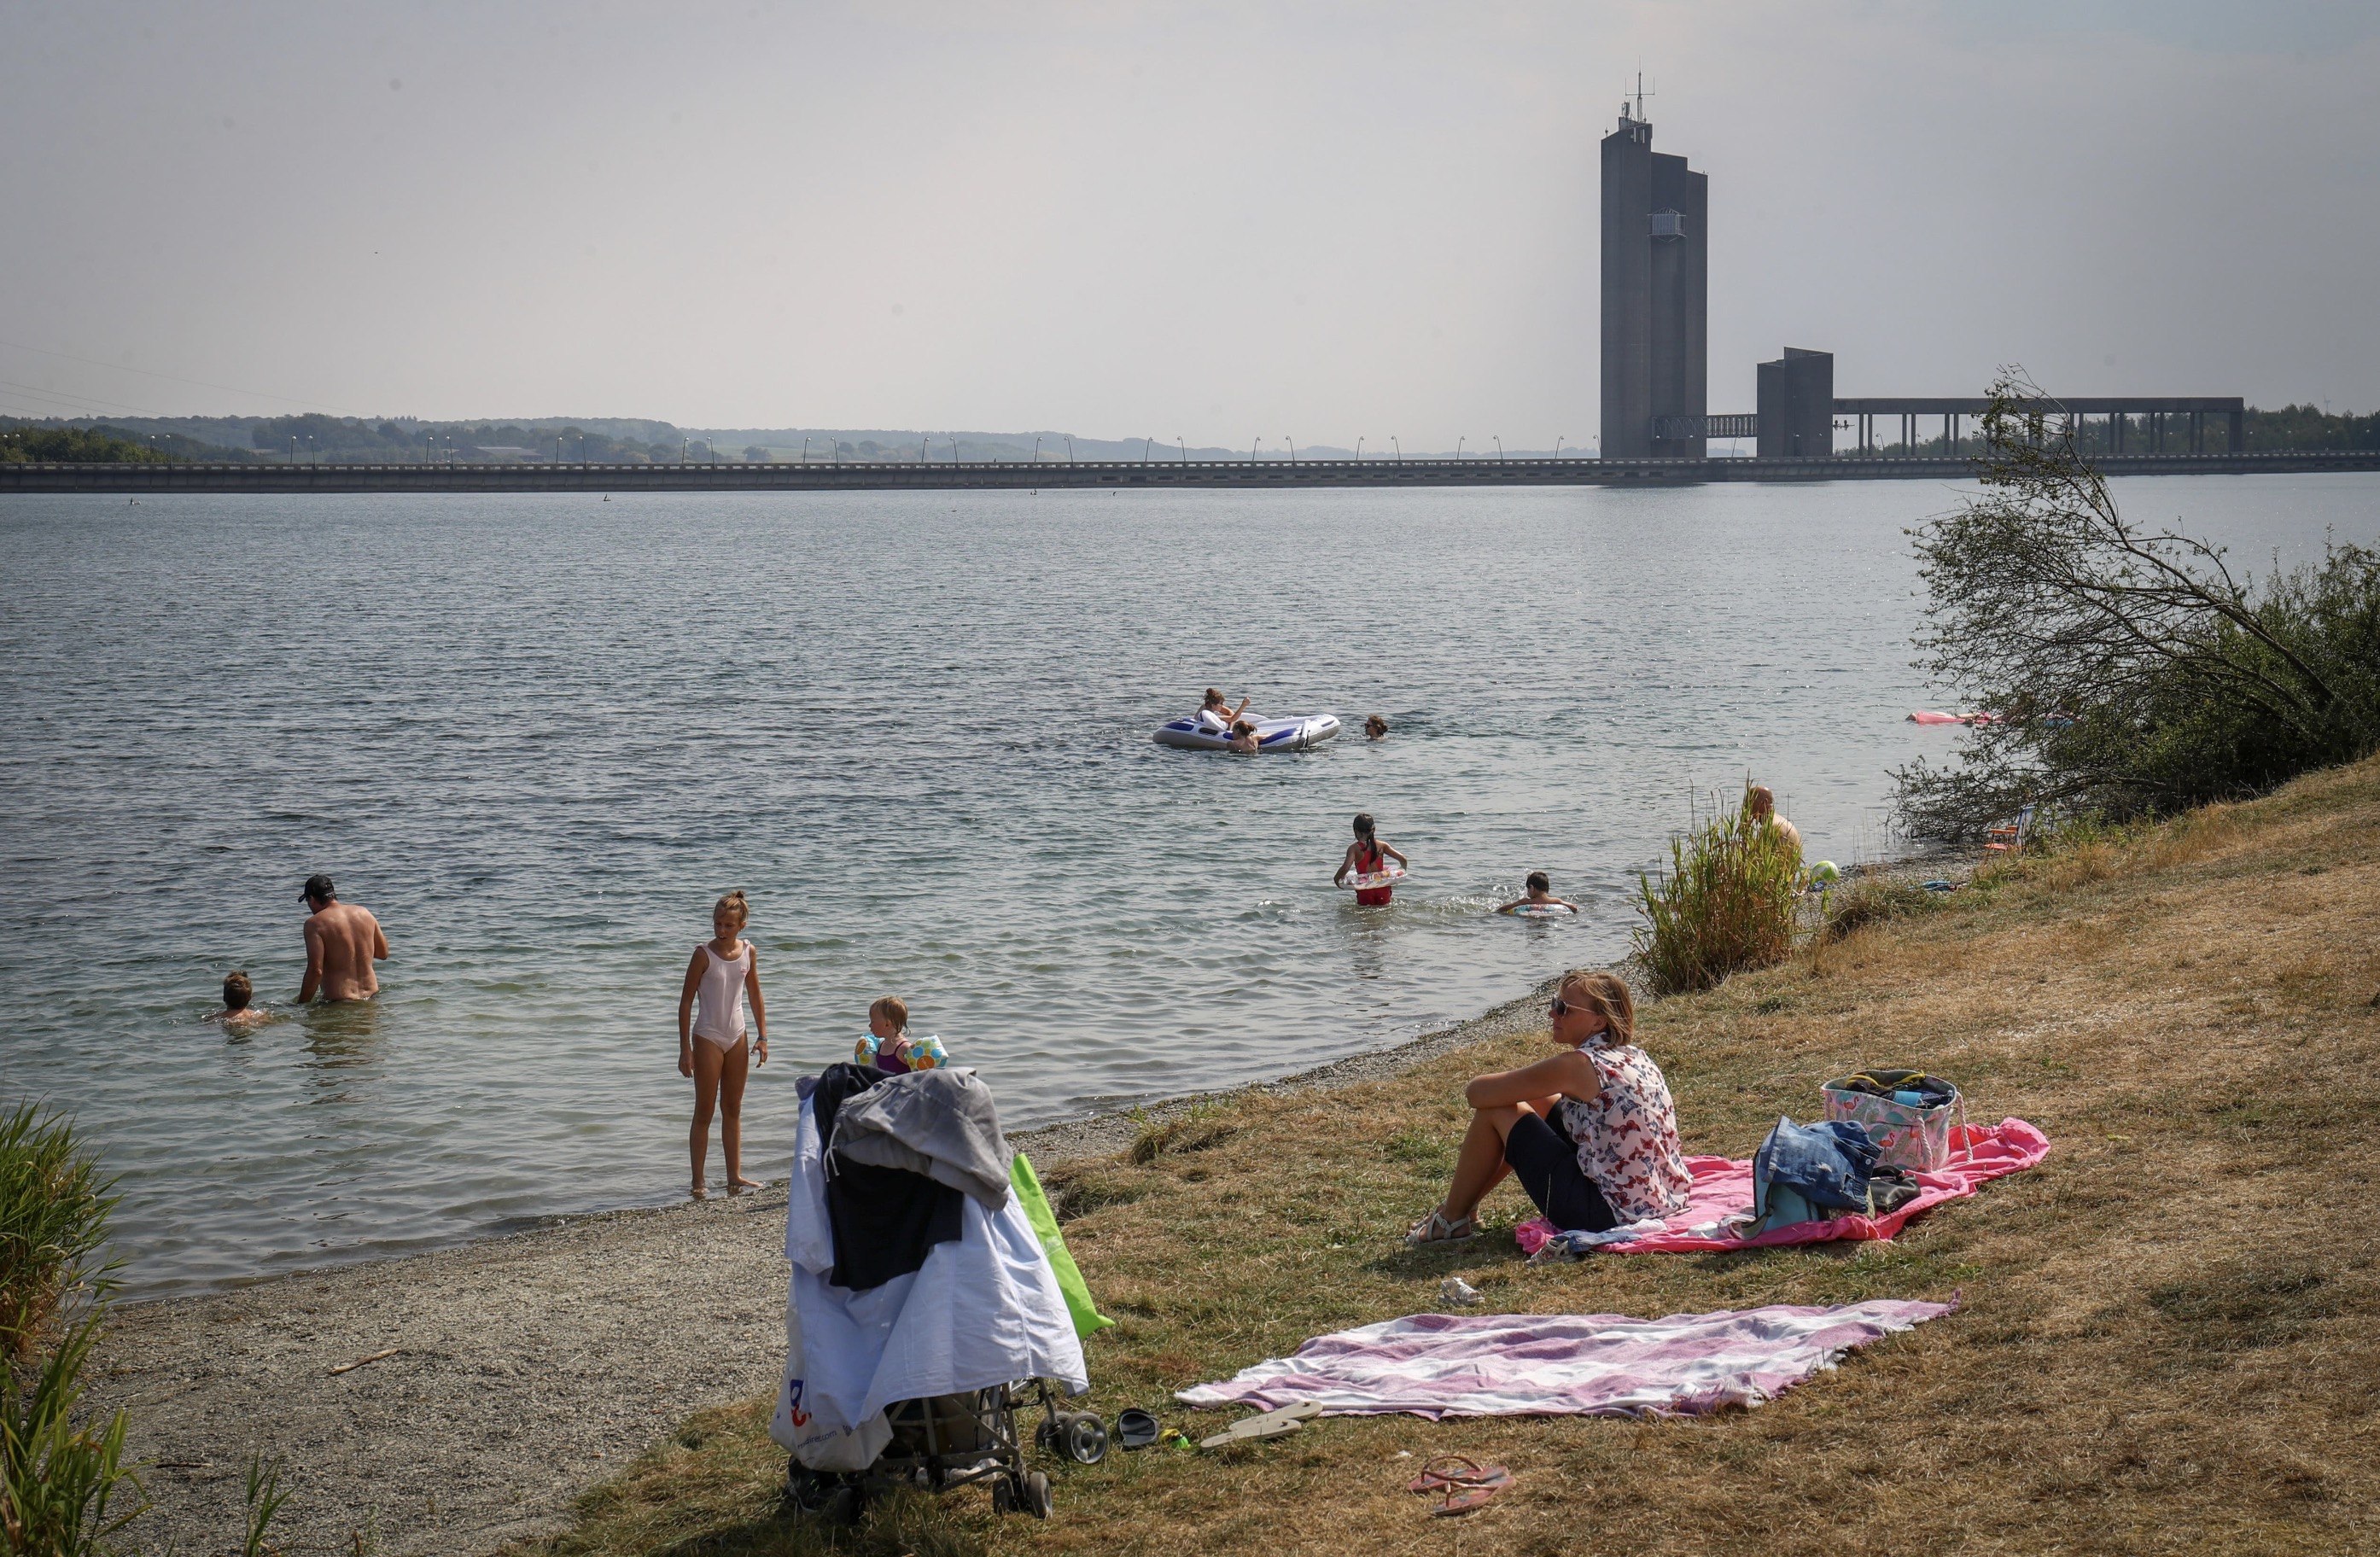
x: 886, y: 1375
x: 952, y: 1441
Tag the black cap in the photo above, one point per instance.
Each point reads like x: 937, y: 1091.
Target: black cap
x: 318, y: 889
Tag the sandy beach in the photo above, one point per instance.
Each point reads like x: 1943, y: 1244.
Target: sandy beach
x: 521, y: 1370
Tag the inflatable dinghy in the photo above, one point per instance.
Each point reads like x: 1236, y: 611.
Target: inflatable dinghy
x: 1196, y: 734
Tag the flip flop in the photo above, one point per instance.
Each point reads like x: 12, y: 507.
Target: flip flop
x: 1135, y: 1428
x: 1463, y: 1501
x: 1440, y: 1472
x: 1278, y: 1423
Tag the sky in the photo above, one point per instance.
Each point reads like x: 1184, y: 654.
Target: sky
x: 1316, y: 222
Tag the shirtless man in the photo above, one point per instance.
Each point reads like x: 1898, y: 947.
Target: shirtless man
x: 342, y: 944
x: 1764, y: 810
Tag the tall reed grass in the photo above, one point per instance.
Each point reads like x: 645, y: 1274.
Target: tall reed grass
x: 60, y: 1473
x: 1724, y: 906
x: 54, y: 1209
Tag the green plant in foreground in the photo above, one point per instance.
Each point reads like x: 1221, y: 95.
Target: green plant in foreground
x: 1725, y: 904
x: 58, y: 1479
x: 264, y: 1499
x: 54, y: 1209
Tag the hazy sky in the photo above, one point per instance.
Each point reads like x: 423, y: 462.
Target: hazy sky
x: 1210, y: 220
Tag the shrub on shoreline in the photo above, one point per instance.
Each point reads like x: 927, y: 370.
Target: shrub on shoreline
x: 1725, y: 904
x: 2131, y: 671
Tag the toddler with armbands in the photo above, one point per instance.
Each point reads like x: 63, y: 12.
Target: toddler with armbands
x: 888, y: 1045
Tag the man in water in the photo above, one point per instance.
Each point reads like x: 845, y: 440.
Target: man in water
x: 1764, y: 810
x: 342, y: 944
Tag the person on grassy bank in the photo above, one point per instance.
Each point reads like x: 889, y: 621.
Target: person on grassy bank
x: 724, y: 972
x: 1592, y: 1132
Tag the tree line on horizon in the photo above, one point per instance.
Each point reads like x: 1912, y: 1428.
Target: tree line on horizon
x: 317, y: 437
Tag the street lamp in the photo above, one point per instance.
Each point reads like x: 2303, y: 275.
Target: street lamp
x: 1359, y: 448
x: 1292, y: 447
x: 1253, y: 445
x: 1184, y: 447
x: 1036, y: 451
x: 1147, y: 445
x: 1070, y: 448
x: 1400, y: 448
x: 1558, y: 438
x: 1499, y: 446
x: 806, y: 451
x: 1458, y: 445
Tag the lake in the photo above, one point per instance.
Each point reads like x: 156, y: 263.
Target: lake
x: 539, y: 735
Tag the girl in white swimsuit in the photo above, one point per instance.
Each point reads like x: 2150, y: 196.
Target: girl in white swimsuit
x: 726, y: 972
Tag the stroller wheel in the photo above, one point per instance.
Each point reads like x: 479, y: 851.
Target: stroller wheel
x: 1003, y: 1495
x: 1083, y: 1437
x: 1036, y: 1494
x: 844, y: 1505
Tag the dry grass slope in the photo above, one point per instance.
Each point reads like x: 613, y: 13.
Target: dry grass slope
x: 2168, y: 1343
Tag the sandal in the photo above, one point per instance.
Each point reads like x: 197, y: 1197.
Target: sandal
x: 1435, y: 1229
x: 1461, y: 1483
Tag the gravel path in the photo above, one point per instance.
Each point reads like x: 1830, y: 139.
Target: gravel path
x: 523, y: 1370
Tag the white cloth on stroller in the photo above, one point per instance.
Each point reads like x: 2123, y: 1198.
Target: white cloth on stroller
x: 982, y: 1311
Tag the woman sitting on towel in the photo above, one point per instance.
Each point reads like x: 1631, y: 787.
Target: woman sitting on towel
x: 1591, y: 1132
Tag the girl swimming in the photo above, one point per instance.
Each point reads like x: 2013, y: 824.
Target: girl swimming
x: 1363, y: 858
x: 726, y: 972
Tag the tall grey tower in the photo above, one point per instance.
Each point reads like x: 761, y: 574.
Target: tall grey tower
x: 1656, y: 269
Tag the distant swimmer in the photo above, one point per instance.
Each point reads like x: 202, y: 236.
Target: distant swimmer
x: 1365, y: 856
x: 1215, y: 716
x: 725, y: 974
x: 1540, y: 895
x: 342, y: 943
x: 239, y: 1007
x: 1376, y: 728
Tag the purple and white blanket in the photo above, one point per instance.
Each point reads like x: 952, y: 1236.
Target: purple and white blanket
x: 1561, y: 1365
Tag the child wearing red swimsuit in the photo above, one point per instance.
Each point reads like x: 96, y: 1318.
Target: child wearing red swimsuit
x: 1364, y: 858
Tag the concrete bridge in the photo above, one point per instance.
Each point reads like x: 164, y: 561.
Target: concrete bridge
x: 1111, y: 474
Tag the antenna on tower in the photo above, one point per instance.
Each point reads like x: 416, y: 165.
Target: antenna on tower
x: 1643, y: 91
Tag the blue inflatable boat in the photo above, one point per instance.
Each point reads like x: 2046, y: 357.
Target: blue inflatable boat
x: 1201, y: 733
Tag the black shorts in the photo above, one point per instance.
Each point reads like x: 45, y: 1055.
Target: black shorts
x: 1545, y: 1161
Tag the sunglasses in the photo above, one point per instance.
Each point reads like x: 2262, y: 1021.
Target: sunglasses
x: 1561, y: 1007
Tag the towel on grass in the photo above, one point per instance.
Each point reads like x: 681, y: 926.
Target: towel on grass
x: 1722, y: 1187
x: 1564, y: 1365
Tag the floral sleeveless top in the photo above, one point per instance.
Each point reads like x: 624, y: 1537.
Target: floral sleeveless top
x: 1628, y: 1136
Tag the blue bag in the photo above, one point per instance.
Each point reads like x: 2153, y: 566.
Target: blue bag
x: 1825, y: 1165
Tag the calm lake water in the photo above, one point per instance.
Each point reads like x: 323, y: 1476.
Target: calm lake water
x: 536, y: 736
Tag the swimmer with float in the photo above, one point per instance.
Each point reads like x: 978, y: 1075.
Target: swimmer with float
x: 1540, y: 898
x: 1366, y: 861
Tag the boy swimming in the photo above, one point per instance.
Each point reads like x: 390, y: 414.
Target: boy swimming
x: 239, y: 1008
x: 1540, y: 895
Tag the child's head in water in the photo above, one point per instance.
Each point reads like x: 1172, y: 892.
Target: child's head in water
x: 1376, y: 728
x: 239, y: 992
x: 1539, y: 883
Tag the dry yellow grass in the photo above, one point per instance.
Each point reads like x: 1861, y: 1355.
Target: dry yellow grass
x: 2169, y: 1332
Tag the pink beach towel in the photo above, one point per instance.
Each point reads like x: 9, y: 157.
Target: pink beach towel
x: 1564, y: 1365
x: 1723, y: 1188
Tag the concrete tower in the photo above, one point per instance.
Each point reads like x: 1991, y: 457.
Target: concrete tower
x: 1656, y: 270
